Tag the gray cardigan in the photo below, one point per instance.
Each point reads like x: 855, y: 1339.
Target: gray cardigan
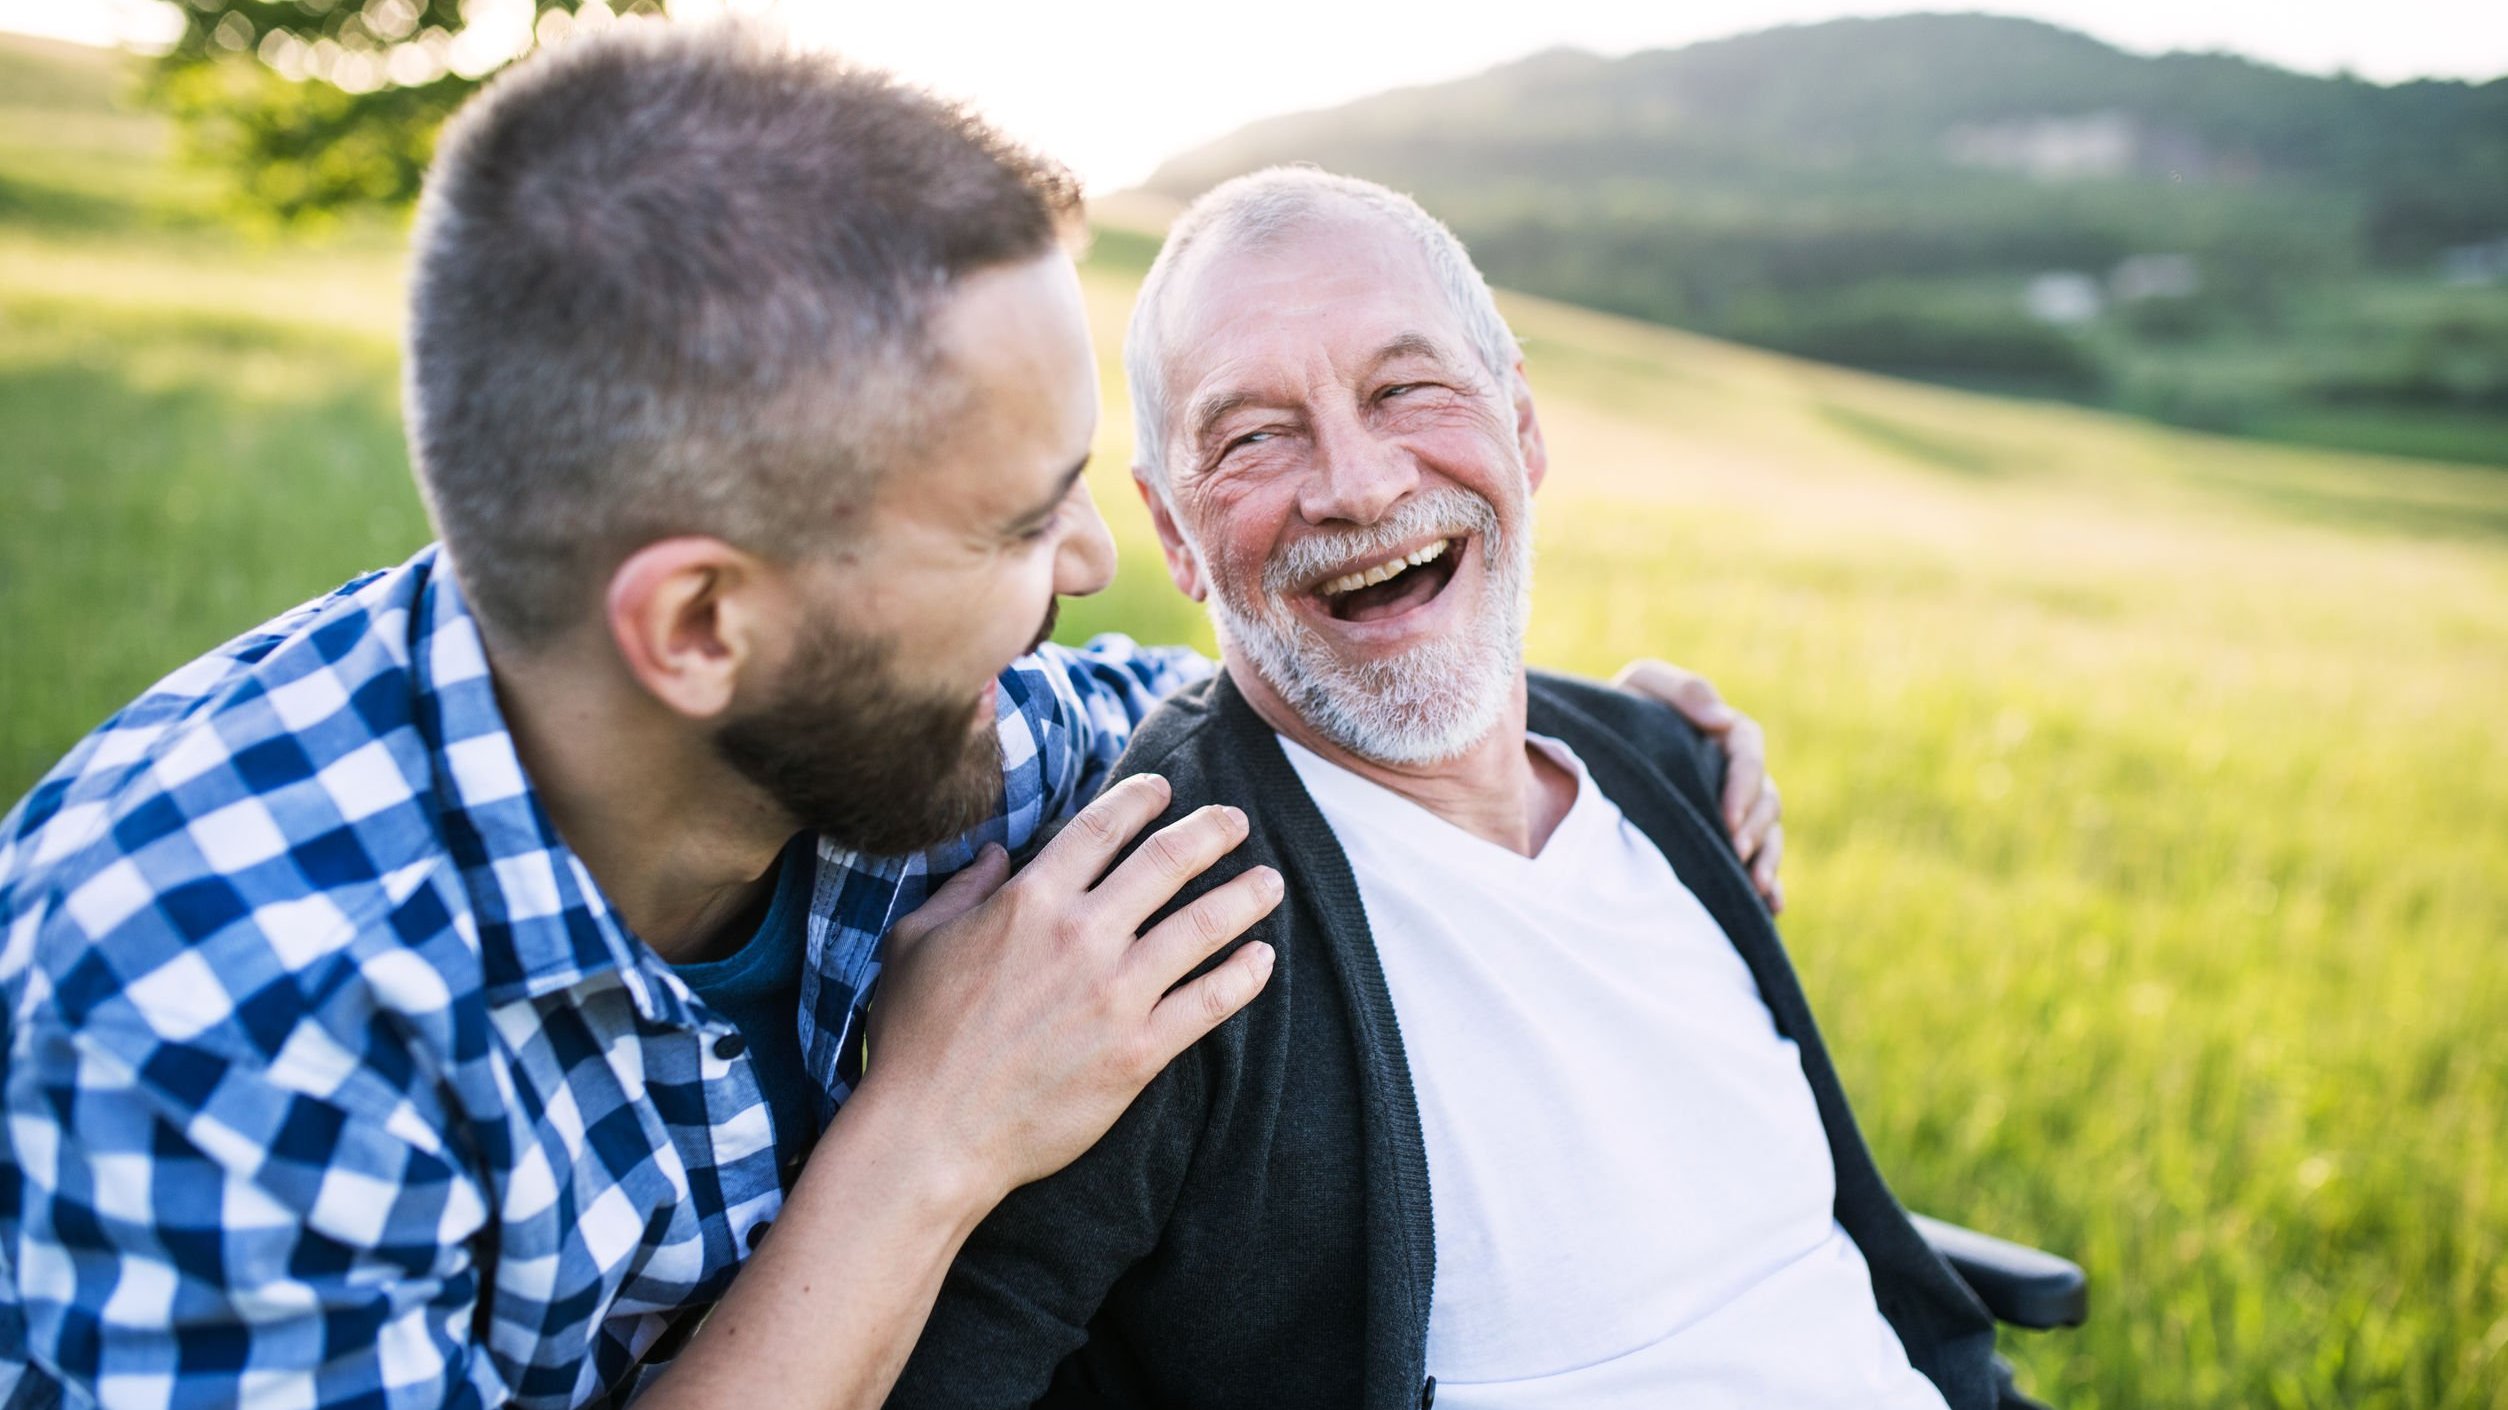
x: 1254, y: 1232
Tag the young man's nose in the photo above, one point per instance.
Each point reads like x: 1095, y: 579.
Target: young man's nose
x: 1085, y: 561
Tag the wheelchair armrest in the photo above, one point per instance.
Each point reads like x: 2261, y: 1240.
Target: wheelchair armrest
x: 2018, y: 1284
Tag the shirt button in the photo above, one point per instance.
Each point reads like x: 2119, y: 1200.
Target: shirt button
x: 757, y: 1232
x: 729, y: 1046
x: 1427, y: 1393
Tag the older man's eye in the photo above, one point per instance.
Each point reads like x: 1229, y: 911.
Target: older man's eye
x: 1249, y: 438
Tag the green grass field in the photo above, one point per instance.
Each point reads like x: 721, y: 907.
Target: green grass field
x: 2147, y: 794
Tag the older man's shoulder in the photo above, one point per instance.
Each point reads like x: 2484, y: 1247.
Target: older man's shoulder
x: 1180, y: 732
x: 1650, y: 730
x: 1633, y: 717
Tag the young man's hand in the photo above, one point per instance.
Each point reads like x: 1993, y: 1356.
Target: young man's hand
x: 1751, y: 810
x: 1020, y: 1016
x: 1016, y: 1019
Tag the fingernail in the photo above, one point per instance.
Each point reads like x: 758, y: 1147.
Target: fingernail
x: 1263, y: 955
x: 1235, y: 816
x: 1267, y: 881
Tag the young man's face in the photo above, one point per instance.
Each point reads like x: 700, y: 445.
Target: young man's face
x: 878, y: 728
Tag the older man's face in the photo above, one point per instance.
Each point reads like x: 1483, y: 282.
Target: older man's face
x: 1352, y: 489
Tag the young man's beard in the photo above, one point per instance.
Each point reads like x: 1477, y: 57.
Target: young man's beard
x: 862, y: 760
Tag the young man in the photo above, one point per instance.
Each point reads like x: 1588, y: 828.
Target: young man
x: 1532, y: 1112
x: 412, y: 1002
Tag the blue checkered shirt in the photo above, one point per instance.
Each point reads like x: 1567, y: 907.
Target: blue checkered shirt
x: 332, y: 1079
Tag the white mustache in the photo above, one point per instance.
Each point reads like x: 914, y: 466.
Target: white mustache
x: 1443, y: 512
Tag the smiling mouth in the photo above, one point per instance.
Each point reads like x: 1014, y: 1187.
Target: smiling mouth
x: 1391, y: 586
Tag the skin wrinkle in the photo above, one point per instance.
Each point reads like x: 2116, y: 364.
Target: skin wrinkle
x: 1207, y: 443
x: 1207, y: 416
x: 1335, y: 429
x: 1260, y: 212
x: 1428, y: 703
x: 1426, y: 698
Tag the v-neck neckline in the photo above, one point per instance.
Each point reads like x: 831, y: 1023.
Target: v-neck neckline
x: 1339, y: 777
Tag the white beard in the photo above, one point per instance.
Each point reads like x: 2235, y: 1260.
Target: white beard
x: 1426, y: 705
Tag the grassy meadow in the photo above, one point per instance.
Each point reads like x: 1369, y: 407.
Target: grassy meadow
x: 2147, y: 794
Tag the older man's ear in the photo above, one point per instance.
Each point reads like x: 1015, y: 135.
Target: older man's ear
x: 1184, y: 566
x: 1528, y: 440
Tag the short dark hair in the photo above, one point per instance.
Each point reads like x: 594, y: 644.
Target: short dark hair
x: 644, y: 259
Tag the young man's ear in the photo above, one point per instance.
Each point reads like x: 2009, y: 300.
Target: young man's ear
x: 1528, y: 438
x: 689, y: 616
x: 1184, y: 566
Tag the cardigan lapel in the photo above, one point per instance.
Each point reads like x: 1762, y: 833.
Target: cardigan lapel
x: 1401, y: 1239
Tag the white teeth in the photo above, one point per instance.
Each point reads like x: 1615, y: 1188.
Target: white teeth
x: 1352, y: 582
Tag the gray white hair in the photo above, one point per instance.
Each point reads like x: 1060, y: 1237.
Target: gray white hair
x: 1263, y: 207
x: 675, y: 279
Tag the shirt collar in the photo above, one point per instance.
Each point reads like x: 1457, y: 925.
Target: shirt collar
x: 543, y: 923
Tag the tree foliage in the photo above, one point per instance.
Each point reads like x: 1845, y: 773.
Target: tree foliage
x: 313, y: 108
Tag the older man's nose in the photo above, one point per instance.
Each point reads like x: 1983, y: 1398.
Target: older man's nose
x: 1356, y: 477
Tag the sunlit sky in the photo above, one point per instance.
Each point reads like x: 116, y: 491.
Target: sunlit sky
x: 1112, y: 88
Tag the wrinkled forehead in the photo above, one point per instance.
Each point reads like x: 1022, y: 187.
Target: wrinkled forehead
x: 1331, y: 290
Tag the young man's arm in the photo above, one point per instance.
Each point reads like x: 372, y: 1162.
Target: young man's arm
x: 1067, y: 713
x: 201, y: 1224
x: 203, y: 1218
x: 1018, y: 1019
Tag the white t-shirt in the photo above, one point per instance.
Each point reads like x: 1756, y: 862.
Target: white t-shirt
x: 1631, y: 1184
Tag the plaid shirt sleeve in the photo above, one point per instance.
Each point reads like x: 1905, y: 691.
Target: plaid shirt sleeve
x: 199, y: 1225
x: 227, y: 1180
x: 1066, y: 715
x: 331, y: 1080
x: 1102, y: 692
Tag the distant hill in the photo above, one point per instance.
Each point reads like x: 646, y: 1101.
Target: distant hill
x: 1988, y: 200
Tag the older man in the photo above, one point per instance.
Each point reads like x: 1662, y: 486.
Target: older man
x: 1532, y: 1112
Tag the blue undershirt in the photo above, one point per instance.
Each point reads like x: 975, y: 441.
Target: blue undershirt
x: 758, y: 987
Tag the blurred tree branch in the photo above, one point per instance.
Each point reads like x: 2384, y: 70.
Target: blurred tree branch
x: 314, y: 108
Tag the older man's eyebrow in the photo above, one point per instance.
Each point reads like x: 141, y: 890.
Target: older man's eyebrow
x: 1418, y: 345
x: 1215, y: 408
